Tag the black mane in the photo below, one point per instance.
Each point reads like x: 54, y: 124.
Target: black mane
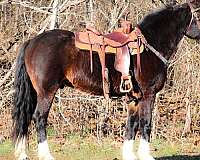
x: 160, y: 28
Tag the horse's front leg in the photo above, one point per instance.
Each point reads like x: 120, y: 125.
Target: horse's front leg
x: 131, y: 130
x: 40, y: 119
x: 145, y: 117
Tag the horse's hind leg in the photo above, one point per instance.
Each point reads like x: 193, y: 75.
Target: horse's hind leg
x: 40, y: 119
x: 131, y: 130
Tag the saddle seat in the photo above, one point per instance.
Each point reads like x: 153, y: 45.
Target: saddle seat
x: 114, y: 39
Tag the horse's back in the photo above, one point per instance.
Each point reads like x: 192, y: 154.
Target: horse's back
x: 52, y: 39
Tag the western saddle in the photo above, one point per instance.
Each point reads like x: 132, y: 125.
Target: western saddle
x: 121, y: 42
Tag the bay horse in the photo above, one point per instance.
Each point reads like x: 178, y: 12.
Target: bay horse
x: 51, y: 61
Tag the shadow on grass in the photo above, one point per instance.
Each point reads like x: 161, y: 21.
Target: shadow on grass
x: 180, y: 157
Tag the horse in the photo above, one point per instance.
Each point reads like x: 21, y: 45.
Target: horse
x: 51, y: 61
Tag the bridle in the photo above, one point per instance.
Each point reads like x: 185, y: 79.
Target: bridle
x: 160, y: 56
x: 193, y: 10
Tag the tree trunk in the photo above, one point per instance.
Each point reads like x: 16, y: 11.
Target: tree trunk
x: 53, y: 20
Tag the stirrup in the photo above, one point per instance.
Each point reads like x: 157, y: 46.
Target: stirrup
x: 126, y: 84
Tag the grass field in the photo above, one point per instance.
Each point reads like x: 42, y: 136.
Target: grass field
x: 74, y: 147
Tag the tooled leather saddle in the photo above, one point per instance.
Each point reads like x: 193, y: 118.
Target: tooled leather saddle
x: 122, y: 42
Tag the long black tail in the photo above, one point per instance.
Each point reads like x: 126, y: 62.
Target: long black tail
x: 25, y: 99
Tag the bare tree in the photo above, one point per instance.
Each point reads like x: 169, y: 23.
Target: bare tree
x: 53, y: 19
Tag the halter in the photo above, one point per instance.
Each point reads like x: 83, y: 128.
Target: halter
x: 190, y: 20
x: 193, y: 11
x: 193, y: 16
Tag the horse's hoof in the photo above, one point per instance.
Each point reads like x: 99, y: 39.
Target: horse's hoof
x: 46, y: 157
x: 145, y: 157
x: 23, y: 157
x: 128, y: 151
x: 131, y: 156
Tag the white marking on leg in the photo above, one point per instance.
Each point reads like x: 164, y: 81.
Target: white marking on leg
x: 43, y: 151
x: 144, y: 150
x: 128, y: 151
x: 20, y: 149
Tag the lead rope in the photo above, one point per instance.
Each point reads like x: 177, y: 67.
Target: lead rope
x: 162, y: 58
